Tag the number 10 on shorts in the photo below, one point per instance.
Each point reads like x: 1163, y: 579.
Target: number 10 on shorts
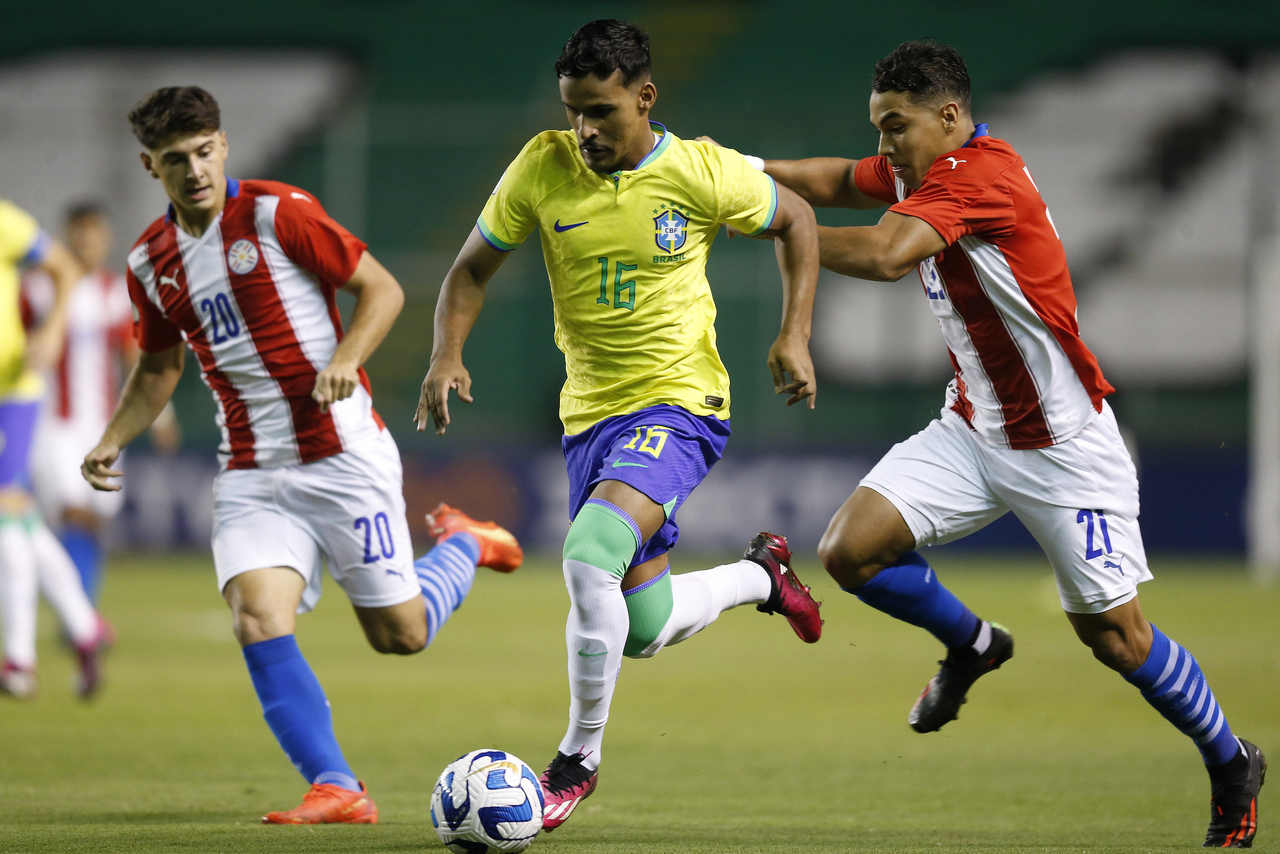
x: 649, y: 440
x: 381, y: 527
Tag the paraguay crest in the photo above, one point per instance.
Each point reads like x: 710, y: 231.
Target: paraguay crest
x: 242, y: 256
x: 670, y: 229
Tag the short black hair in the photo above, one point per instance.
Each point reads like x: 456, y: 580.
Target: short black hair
x: 174, y: 111
x: 924, y: 69
x: 603, y: 47
x: 83, y: 209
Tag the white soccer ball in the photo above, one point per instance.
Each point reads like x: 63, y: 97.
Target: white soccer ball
x: 487, y: 801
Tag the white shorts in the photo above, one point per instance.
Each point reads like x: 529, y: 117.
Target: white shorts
x: 1079, y: 499
x: 347, y: 509
x: 57, y: 450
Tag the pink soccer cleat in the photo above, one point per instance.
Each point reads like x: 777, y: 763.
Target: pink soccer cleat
x: 565, y: 784
x: 789, y: 597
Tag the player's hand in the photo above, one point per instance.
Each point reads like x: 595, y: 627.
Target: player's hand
x: 336, y: 382
x: 97, y: 468
x: 792, y: 370
x: 44, y: 346
x: 433, y: 400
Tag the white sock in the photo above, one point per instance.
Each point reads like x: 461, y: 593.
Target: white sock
x: 699, y: 598
x: 61, y: 586
x: 594, y: 635
x: 17, y: 593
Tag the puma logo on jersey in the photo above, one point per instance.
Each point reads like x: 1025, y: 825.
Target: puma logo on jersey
x: 171, y: 281
x: 955, y: 163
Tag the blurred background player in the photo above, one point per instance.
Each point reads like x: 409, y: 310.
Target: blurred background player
x: 1025, y: 426
x: 31, y: 559
x: 627, y: 213
x: 246, y: 274
x: 81, y: 391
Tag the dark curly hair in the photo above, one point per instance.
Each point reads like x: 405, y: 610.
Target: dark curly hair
x: 926, y: 70
x: 603, y: 47
x: 174, y: 111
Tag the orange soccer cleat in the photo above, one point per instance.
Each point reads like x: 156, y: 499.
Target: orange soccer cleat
x: 325, y: 803
x: 499, y: 549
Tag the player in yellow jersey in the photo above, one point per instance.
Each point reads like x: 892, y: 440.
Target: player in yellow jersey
x: 27, y: 548
x: 627, y: 212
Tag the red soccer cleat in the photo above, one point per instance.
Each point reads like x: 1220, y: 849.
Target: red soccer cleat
x: 789, y: 597
x: 499, y: 549
x: 565, y: 784
x: 325, y: 803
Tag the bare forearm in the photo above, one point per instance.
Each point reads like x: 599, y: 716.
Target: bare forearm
x: 820, y: 181
x: 375, y: 313
x: 145, y: 394
x: 857, y: 251
x: 461, y: 298
x: 798, y: 262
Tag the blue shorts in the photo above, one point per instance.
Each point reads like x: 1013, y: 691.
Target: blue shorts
x: 662, y: 451
x: 17, y: 428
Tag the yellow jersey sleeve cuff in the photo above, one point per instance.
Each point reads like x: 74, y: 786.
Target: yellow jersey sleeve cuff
x: 773, y: 206
x: 494, y: 240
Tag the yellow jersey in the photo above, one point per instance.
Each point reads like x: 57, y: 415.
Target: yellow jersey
x: 626, y: 256
x: 21, y: 242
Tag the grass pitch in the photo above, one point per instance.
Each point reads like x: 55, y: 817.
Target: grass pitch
x: 740, y: 740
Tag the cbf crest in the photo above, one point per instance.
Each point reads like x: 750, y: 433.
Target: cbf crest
x: 670, y: 230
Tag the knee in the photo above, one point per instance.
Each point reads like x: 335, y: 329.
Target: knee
x: 602, y: 538
x: 1122, y: 651
x: 397, y: 631
x: 252, y: 622
x: 640, y: 643
x: 850, y: 563
x: 402, y: 640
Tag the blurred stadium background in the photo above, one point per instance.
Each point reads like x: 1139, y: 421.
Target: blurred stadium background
x: 1150, y: 128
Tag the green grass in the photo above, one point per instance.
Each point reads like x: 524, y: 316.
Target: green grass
x: 1053, y: 753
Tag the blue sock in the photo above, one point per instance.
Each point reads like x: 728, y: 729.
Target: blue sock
x: 86, y: 553
x: 1171, y: 681
x: 445, y: 574
x: 297, y: 711
x: 911, y: 591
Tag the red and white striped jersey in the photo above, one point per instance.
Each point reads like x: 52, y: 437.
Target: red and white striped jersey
x: 83, y: 386
x: 254, y: 297
x: 1002, y: 294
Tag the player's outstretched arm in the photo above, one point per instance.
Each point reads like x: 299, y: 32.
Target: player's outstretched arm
x: 795, y: 233
x: 379, y: 299
x: 457, y: 307
x: 884, y: 252
x: 44, y: 343
x: 148, y: 389
x: 824, y: 182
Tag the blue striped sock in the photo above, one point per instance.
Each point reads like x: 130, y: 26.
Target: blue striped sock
x: 297, y: 711
x: 911, y: 591
x: 1171, y: 681
x: 445, y: 574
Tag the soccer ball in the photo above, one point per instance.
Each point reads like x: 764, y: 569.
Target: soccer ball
x: 487, y: 801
